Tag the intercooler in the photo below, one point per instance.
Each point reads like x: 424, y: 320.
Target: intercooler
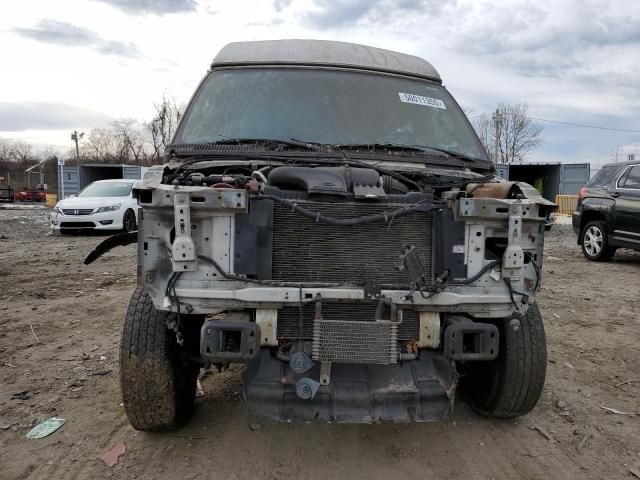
x: 309, y: 251
x: 290, y: 325
x: 355, y: 342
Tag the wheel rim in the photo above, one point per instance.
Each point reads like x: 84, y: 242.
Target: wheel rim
x: 129, y: 222
x: 593, y: 241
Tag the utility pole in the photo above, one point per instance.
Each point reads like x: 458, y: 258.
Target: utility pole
x: 75, y: 136
x: 61, y: 177
x: 497, y: 124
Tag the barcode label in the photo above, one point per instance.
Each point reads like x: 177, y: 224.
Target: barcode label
x: 420, y: 100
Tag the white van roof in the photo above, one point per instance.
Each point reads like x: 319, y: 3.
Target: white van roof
x: 324, y: 53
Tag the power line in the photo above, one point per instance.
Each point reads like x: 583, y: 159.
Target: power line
x: 582, y: 125
x: 586, y: 126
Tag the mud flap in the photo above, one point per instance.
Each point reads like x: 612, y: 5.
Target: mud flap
x: 421, y: 390
x: 117, y: 240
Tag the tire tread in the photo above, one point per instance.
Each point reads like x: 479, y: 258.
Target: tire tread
x: 151, y: 367
x: 511, y: 385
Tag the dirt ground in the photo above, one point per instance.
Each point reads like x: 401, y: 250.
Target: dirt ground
x: 592, y: 315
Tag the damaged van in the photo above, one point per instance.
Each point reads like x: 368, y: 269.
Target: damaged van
x: 327, y: 216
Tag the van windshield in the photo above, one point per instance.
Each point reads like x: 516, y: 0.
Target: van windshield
x: 333, y: 107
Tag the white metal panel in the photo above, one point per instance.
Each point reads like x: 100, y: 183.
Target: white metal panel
x: 267, y: 320
x: 573, y: 176
x: 131, y: 172
x: 502, y: 169
x: 429, y: 335
x: 70, y: 179
x: 323, y: 52
x: 222, y: 241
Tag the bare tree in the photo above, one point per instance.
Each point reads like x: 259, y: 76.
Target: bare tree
x: 485, y: 128
x: 50, y: 153
x: 518, y: 134
x: 468, y: 111
x: 18, y: 155
x: 6, y: 149
x: 131, y: 142
x: 100, y: 145
x: 163, y: 125
x: 22, y: 151
x: 124, y: 141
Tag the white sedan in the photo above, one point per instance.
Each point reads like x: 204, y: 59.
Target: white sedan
x: 101, y: 205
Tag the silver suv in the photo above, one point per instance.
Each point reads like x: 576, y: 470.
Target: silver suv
x: 327, y: 216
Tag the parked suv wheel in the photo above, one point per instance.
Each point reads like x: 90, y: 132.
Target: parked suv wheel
x: 510, y: 385
x: 595, y: 244
x: 157, y: 378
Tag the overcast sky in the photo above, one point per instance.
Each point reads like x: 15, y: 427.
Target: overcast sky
x: 79, y: 64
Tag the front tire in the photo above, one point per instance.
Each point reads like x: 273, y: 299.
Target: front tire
x: 510, y: 385
x: 157, y: 379
x: 595, y: 243
x: 129, y: 221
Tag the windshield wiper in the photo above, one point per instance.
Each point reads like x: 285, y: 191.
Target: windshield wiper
x: 454, y: 154
x: 371, y: 146
x: 391, y: 146
x: 264, y: 141
x: 410, y: 148
x: 279, y: 145
x: 377, y: 145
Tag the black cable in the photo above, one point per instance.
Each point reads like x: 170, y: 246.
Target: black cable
x: 439, y: 288
x: 482, y: 271
x: 571, y: 124
x: 172, y: 279
x: 427, y: 297
x: 167, y: 289
x: 375, y: 217
x: 507, y: 281
x: 178, y: 319
x: 171, y: 287
x: 582, y: 125
x: 272, y: 283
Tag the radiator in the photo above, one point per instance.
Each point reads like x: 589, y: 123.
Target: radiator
x: 309, y: 251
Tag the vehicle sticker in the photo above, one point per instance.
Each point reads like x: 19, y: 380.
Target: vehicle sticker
x: 420, y: 100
